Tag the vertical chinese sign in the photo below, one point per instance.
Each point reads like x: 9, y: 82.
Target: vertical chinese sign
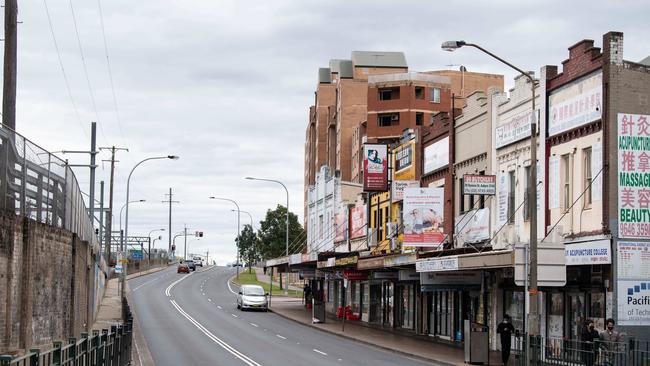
x: 634, y: 176
x: 375, y: 168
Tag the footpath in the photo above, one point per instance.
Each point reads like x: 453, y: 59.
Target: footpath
x: 266, y: 278
x: 421, y: 347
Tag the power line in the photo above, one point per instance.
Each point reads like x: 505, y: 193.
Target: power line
x: 65, y: 76
x: 85, y: 67
x: 110, y: 71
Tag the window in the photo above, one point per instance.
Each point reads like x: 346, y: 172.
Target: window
x: 419, y: 92
x: 586, y: 168
x: 388, y: 119
x: 526, y: 192
x: 481, y: 198
x: 419, y: 118
x: 461, y: 206
x: 320, y: 226
x: 435, y: 95
x: 388, y: 93
x: 566, y: 179
x: 511, y: 198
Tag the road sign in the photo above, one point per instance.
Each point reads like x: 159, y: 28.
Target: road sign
x: 118, y: 267
x: 123, y: 260
x: 136, y: 254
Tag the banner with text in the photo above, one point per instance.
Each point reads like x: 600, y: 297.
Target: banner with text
x: 633, y: 284
x: 375, y: 167
x: 423, y: 217
x: 399, y: 186
x: 480, y: 184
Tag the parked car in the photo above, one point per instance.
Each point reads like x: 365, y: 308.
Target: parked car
x: 252, y: 297
x: 198, y: 261
x: 190, y: 263
x: 183, y: 268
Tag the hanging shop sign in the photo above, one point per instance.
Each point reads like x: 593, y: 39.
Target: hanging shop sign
x: 347, y: 261
x: 634, y: 176
x: 375, y: 167
x: 354, y: 275
x: 398, y: 187
x: 449, y: 263
x: 588, y: 252
x: 405, y: 161
x: 480, y: 184
x: 357, y: 221
x: 423, y: 217
x: 575, y: 104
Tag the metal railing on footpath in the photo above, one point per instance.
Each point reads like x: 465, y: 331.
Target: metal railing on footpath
x: 558, y: 351
x: 37, y: 184
x: 106, y: 348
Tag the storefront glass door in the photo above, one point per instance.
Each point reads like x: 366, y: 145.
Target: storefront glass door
x: 443, y: 312
x: 576, y: 319
x: 406, y: 308
x: 388, y: 303
x: 375, y: 303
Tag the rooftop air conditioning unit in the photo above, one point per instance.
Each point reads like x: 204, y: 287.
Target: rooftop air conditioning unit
x: 394, y: 117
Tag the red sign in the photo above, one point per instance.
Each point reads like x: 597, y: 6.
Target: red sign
x: 354, y: 275
x: 357, y: 221
x: 375, y: 168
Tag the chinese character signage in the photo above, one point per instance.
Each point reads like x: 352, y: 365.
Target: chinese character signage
x: 423, y: 217
x: 514, y: 130
x: 436, y: 155
x: 633, y: 284
x: 375, y: 167
x: 405, y: 161
x: 502, y: 199
x: 633, y: 175
x: 576, y: 104
x: 480, y: 184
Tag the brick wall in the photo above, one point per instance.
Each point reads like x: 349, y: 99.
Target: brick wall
x: 45, y: 275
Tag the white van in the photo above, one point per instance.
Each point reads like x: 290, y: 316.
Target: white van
x: 198, y: 261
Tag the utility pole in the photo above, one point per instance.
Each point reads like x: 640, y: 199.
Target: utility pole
x: 185, y: 245
x: 109, y: 215
x: 93, y: 153
x: 10, y: 64
x: 170, y: 201
x: 101, y: 216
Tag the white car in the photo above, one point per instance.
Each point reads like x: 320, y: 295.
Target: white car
x: 252, y: 297
x: 198, y: 261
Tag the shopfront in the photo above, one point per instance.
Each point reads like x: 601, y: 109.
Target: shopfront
x: 406, y: 298
x: 382, y: 298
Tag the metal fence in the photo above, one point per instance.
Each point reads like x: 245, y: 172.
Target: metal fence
x: 39, y: 185
x: 106, y: 348
x: 558, y: 351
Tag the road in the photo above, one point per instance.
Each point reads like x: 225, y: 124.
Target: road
x: 193, y: 320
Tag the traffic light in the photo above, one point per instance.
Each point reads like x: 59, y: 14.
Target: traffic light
x: 173, y: 247
x: 200, y: 234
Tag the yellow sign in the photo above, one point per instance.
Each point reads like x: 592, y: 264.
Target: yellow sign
x: 404, y: 161
x: 123, y: 260
x: 347, y: 261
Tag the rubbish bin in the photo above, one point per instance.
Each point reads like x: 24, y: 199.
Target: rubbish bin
x: 476, y: 343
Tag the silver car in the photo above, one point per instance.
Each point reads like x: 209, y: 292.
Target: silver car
x: 252, y: 297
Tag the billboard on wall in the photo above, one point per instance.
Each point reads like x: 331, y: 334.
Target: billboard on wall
x: 341, y: 222
x: 423, y: 217
x: 517, y: 128
x: 473, y: 226
x: 480, y: 184
x: 633, y: 176
x: 575, y: 104
x: 357, y: 221
x: 375, y: 167
x: 405, y: 161
x: 436, y: 155
x: 633, y: 283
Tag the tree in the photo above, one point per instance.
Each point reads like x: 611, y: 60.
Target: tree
x: 248, y: 245
x: 272, y: 241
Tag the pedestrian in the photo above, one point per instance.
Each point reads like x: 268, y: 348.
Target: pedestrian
x: 505, y: 329
x: 589, y: 337
x: 611, y: 340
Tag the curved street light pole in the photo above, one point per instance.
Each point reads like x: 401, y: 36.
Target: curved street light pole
x: 286, y: 290
x: 238, y: 227
x: 126, y: 220
x: 532, y: 324
x: 122, y: 210
x: 149, y: 250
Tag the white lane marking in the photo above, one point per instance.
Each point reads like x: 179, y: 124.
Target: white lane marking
x: 339, y: 360
x: 321, y: 352
x: 210, y: 300
x: 255, y: 325
x: 247, y: 360
x: 235, y: 315
x: 169, y: 288
x: 279, y: 336
x: 146, y: 283
x: 219, y: 307
x: 230, y: 288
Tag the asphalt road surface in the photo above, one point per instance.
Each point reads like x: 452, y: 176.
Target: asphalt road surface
x: 193, y: 320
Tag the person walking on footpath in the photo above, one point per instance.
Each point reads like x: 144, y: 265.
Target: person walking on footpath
x: 611, y: 340
x: 505, y: 329
x: 589, y: 338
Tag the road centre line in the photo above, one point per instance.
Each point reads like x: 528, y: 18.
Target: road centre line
x: 169, y: 288
x: 321, y: 352
x: 253, y: 324
x: 247, y: 360
x: 279, y: 336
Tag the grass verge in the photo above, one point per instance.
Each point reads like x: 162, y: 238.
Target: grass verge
x: 246, y: 278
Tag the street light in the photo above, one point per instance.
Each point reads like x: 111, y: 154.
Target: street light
x: 286, y: 290
x: 122, y: 209
x: 532, y: 188
x: 128, y: 188
x: 249, y: 215
x: 238, y: 227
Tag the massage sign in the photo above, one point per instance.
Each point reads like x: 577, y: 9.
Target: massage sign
x: 634, y: 175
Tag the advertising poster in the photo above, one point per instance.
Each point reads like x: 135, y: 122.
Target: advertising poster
x: 480, y: 184
x: 357, y: 221
x: 575, y: 104
x: 502, y: 199
x: 633, y: 285
x: 405, y: 161
x: 375, y: 167
x: 633, y: 176
x: 341, y: 222
x: 517, y: 128
x: 400, y: 185
x: 423, y: 217
x: 436, y: 155
x: 473, y: 226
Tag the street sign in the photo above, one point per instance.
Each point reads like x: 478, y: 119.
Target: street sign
x: 136, y: 254
x: 118, y: 267
x: 123, y: 260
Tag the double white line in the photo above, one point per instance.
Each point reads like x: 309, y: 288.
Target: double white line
x: 247, y: 360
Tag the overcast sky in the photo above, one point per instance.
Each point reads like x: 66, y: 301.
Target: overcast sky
x: 227, y: 84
